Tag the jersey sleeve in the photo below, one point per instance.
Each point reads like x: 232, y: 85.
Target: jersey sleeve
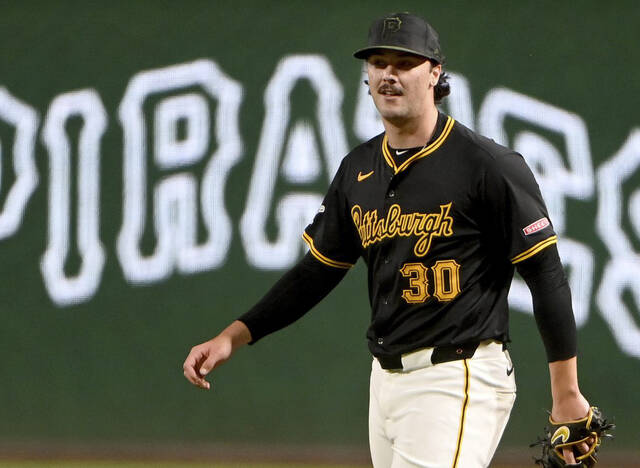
x: 331, y: 235
x: 518, y: 219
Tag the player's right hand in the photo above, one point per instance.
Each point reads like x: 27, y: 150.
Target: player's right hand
x: 205, y: 357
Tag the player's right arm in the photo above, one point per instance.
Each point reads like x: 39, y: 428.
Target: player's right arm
x: 297, y: 292
x: 333, y: 251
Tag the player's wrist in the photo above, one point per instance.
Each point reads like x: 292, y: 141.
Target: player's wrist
x: 569, y: 407
x: 237, y: 334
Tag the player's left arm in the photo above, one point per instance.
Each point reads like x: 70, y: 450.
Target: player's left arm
x: 554, y: 317
x: 519, y: 220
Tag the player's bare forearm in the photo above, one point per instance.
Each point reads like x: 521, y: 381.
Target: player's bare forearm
x: 206, y: 356
x: 568, y: 402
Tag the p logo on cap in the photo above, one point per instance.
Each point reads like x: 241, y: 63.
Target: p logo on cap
x: 391, y: 25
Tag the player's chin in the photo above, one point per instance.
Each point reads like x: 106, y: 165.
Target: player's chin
x: 389, y: 100
x: 393, y: 113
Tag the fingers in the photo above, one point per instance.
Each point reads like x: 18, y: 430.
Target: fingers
x: 208, y: 365
x: 569, y: 458
x: 193, y: 364
x: 205, y: 357
x: 568, y: 454
x: 194, y: 378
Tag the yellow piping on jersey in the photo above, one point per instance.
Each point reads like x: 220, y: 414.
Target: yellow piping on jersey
x: 327, y: 261
x: 464, y: 412
x: 420, y: 154
x: 535, y: 249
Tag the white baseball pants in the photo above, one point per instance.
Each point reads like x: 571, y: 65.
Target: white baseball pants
x: 449, y: 415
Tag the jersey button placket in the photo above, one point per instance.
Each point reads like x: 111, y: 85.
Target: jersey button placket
x: 391, y: 191
x: 391, y: 195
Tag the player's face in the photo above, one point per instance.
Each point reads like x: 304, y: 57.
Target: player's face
x: 401, y: 84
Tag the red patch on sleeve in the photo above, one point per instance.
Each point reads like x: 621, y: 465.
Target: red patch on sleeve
x: 536, y: 226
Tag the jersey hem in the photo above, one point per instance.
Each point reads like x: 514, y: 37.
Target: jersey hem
x: 535, y: 249
x: 326, y: 260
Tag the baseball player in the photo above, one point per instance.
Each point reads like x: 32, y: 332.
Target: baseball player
x: 441, y: 216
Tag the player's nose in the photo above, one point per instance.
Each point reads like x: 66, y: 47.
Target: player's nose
x: 389, y: 78
x: 389, y: 73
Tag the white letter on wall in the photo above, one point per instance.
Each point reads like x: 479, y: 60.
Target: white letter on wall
x: 25, y: 121
x: 177, y: 197
x: 296, y: 209
x: 85, y: 104
x: 622, y: 272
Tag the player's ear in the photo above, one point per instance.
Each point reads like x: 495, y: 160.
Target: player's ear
x: 434, y: 74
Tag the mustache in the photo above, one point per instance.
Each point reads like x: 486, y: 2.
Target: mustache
x: 389, y: 88
x: 384, y: 88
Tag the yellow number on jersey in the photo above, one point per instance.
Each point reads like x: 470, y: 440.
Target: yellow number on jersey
x: 446, y: 279
x: 418, y: 281
x: 441, y: 270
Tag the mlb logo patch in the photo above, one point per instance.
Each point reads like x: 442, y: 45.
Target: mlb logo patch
x: 536, y: 226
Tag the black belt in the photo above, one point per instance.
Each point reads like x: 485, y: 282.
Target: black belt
x: 440, y: 354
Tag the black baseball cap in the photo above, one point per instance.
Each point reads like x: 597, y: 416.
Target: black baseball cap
x: 405, y: 32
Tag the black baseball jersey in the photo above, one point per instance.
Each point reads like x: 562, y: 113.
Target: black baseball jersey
x: 440, y: 233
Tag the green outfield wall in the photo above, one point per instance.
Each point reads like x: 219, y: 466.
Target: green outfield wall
x: 159, y: 160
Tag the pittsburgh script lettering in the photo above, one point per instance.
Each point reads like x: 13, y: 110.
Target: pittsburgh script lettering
x: 425, y: 226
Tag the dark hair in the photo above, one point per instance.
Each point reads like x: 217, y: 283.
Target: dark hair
x: 442, y: 88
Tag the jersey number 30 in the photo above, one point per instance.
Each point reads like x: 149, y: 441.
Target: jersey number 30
x: 446, y: 281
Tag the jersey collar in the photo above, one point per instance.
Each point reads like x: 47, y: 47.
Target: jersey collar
x: 427, y: 150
